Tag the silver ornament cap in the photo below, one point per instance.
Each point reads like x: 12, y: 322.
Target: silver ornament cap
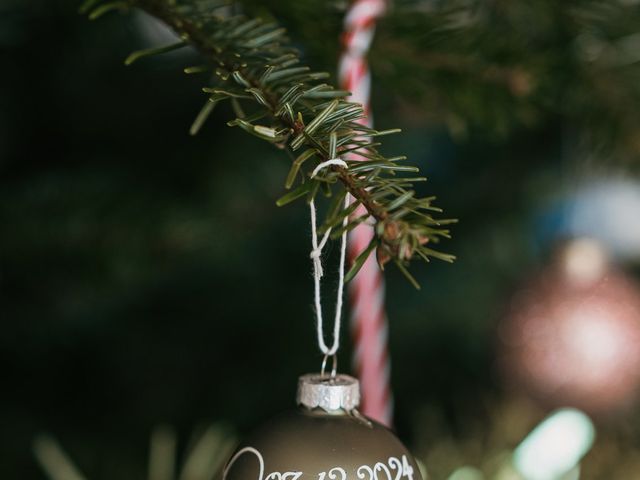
x: 331, y: 393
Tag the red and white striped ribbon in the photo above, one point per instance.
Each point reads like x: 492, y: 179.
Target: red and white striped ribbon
x: 366, y: 292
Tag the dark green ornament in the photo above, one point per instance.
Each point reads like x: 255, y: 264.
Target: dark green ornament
x: 326, y: 438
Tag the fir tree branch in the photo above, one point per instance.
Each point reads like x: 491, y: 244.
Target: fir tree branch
x: 288, y: 105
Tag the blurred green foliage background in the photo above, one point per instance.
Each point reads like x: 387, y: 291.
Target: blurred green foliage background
x: 147, y: 276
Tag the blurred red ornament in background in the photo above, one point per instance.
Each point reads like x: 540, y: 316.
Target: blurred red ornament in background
x: 572, y: 335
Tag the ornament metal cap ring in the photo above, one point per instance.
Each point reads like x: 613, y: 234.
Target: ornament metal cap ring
x: 334, y: 368
x: 330, y: 393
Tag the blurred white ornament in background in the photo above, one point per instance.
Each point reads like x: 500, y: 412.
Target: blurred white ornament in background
x: 608, y: 210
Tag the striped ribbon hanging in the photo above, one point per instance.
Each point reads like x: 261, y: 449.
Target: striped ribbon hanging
x: 366, y: 292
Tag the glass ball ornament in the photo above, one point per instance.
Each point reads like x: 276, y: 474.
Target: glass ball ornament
x: 325, y: 438
x: 572, y: 334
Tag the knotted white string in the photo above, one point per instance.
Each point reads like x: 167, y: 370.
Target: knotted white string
x: 316, y: 255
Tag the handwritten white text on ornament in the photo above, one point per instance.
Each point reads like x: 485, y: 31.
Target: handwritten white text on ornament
x: 393, y: 469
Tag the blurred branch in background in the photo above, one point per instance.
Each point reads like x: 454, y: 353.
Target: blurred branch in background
x: 493, y: 68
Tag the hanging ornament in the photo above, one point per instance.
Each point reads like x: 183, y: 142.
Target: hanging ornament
x: 572, y: 336
x: 326, y: 438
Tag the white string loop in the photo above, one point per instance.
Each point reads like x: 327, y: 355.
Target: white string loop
x: 315, y: 255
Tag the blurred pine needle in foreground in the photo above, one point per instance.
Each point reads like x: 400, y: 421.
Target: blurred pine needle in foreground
x: 203, y: 459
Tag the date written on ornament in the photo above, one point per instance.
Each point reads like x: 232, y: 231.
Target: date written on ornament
x: 393, y: 469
